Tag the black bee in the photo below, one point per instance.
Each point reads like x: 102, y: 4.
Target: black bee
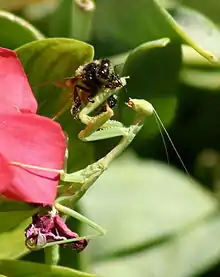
x: 89, y: 80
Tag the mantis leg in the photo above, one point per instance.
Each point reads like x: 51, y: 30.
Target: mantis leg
x: 89, y: 175
x: 78, y: 216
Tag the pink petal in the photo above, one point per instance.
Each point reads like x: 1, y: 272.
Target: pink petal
x: 15, y: 91
x: 34, y: 140
x: 5, y: 174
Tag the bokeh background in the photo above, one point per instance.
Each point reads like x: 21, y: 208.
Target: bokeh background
x: 162, y: 220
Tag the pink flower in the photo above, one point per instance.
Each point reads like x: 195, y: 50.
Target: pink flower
x: 27, y: 140
x: 15, y: 91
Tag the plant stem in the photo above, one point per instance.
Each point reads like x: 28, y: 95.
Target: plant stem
x: 51, y: 255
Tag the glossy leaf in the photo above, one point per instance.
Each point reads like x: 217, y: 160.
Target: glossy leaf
x: 49, y: 61
x: 14, y: 217
x: 12, y: 213
x: 193, y: 59
x: 150, y: 79
x: 53, y: 59
x: 209, y: 8
x: 14, y: 4
x: 21, y: 268
x: 198, y: 72
x: 168, y: 4
x: 16, y: 235
x: 202, y: 79
x: 198, y: 29
x: 147, y: 69
x: 63, y: 12
x: 82, y: 19
x: 151, y: 201
x: 154, y: 22
x: 76, y: 21
x: 23, y: 32
x: 188, y: 254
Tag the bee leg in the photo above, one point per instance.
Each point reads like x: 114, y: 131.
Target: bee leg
x: 89, y: 98
x: 75, y: 109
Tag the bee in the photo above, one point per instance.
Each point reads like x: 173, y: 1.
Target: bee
x: 89, y: 80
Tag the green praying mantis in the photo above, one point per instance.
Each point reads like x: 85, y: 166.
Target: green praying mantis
x: 97, y: 127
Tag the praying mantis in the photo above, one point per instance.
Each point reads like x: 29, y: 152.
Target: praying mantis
x: 88, y: 96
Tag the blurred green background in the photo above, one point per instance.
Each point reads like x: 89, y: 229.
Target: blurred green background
x: 161, y: 220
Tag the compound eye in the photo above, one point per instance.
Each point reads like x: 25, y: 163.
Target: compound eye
x: 103, y: 73
x: 89, y: 71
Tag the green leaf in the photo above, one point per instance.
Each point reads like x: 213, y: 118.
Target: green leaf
x: 191, y: 58
x: 149, y: 202
x: 198, y: 72
x: 82, y: 19
x: 168, y: 4
x: 209, y: 8
x: 186, y: 254
x: 148, y: 70
x: 199, y: 29
x: 12, y: 242
x: 63, y: 14
x: 15, y: 31
x: 15, y: 5
x: 12, y: 213
x: 22, y: 269
x: 51, y: 60
x: 154, y: 22
x: 201, y: 79
x: 151, y: 79
x: 76, y: 21
x: 14, y: 218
